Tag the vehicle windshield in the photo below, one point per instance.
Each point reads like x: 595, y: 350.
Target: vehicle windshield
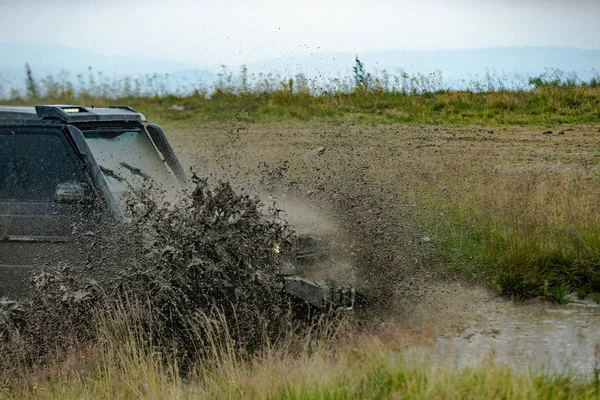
x: 128, y: 161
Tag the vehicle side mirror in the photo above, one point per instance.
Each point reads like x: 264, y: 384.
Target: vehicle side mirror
x: 70, y: 192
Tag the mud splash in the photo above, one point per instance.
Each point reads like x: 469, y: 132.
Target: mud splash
x: 211, y: 251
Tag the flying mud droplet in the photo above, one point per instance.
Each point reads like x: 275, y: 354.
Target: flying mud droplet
x: 212, y: 250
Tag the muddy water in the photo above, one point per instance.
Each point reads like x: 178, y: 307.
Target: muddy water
x: 558, y: 338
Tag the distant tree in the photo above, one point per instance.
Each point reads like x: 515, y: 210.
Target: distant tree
x: 32, y: 90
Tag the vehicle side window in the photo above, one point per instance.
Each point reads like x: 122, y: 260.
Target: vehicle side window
x: 32, y: 165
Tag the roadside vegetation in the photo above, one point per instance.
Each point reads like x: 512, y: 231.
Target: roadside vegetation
x: 555, y: 97
x: 528, y: 230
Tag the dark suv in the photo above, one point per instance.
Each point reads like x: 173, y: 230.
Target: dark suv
x: 61, y: 163
x: 66, y: 166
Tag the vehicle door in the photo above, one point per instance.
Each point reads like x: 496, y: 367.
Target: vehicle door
x: 46, y: 195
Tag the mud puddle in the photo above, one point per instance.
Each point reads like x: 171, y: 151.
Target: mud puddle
x: 556, y: 338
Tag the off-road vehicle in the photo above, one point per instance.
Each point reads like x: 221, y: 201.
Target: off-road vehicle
x: 63, y: 166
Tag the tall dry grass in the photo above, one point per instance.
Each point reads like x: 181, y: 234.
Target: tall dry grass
x: 526, y: 217
x: 320, y: 364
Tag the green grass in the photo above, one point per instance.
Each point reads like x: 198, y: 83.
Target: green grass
x: 521, y: 254
x: 309, y: 367
x: 547, y: 107
x: 376, y: 376
x: 552, y: 98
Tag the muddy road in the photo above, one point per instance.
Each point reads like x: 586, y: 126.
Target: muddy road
x: 359, y: 186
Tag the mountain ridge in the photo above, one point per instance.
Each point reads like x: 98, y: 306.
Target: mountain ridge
x: 50, y: 59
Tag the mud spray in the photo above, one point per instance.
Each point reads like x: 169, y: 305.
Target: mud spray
x: 213, y: 250
x: 328, y: 180
x: 210, y: 251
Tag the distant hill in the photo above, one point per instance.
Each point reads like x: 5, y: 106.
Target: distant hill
x: 455, y: 65
x: 50, y: 59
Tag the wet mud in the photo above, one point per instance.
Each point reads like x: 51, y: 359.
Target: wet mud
x: 531, y: 334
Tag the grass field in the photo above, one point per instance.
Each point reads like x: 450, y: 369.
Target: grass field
x: 512, y: 206
x: 554, y: 97
x: 323, y: 364
x: 496, y: 187
x: 354, y: 373
x: 546, y: 106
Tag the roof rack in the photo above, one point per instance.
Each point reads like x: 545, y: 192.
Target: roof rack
x: 124, y: 108
x: 143, y: 117
x: 67, y: 114
x: 74, y: 113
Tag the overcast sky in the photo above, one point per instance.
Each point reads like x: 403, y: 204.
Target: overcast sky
x: 237, y: 31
